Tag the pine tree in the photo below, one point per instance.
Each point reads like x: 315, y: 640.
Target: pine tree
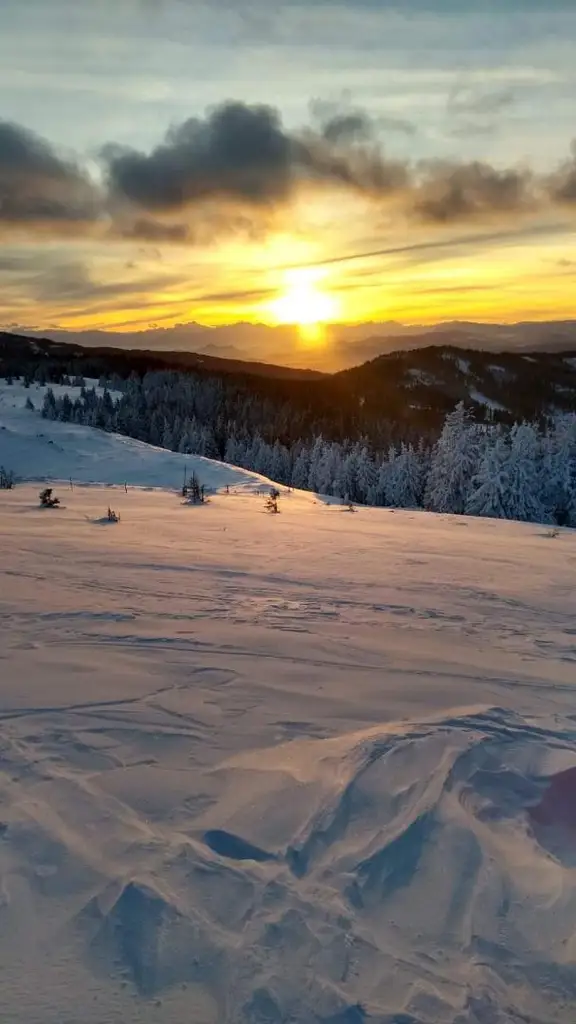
x: 559, y: 471
x: 316, y: 456
x: 524, y: 496
x: 367, y: 475
x: 301, y: 470
x: 405, y: 482
x: 454, y: 463
x: 347, y: 485
x: 49, y: 405
x: 490, y: 486
x: 230, y: 451
x: 7, y: 479
x: 378, y: 494
x: 195, y: 491
x: 167, y: 437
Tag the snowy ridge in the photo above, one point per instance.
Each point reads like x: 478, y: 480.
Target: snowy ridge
x: 522, y: 472
x: 41, y: 449
x: 258, y: 769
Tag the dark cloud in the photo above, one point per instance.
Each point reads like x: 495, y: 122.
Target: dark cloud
x: 463, y: 192
x: 340, y: 121
x: 39, y: 187
x: 237, y: 169
x: 238, y: 151
x: 352, y: 126
x: 144, y: 229
x: 562, y: 185
x: 242, y: 153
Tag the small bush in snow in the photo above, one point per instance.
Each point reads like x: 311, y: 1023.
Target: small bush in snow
x: 47, y: 500
x: 271, y: 503
x: 29, y: 404
x: 7, y: 479
x: 194, y: 491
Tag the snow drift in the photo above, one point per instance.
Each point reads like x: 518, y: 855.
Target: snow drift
x: 313, y: 767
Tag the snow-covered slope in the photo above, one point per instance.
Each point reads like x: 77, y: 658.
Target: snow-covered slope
x: 313, y: 767
x: 38, y: 449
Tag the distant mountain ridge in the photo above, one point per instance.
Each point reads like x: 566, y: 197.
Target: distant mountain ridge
x: 346, y: 344
x: 412, y: 389
x: 17, y: 347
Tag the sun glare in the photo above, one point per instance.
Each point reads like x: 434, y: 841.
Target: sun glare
x: 303, y: 303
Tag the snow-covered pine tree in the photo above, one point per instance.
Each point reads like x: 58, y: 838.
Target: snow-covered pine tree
x: 405, y: 482
x: 301, y: 469
x: 167, y: 437
x: 367, y: 475
x: 230, y: 451
x: 525, y: 498
x: 454, y: 463
x: 49, y: 405
x: 328, y: 468
x: 209, y: 448
x: 316, y: 456
x: 378, y: 495
x: 280, y: 463
x: 490, y: 485
x: 559, y: 470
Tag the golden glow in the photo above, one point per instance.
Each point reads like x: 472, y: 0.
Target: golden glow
x: 304, y: 304
x: 240, y: 281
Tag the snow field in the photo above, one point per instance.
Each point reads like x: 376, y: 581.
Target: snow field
x: 280, y: 768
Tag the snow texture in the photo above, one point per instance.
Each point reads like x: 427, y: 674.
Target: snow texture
x: 313, y: 767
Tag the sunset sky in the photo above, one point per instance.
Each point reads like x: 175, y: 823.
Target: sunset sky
x: 164, y: 161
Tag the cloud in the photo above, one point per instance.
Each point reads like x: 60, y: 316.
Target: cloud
x: 238, y: 168
x: 72, y: 284
x: 562, y: 184
x: 472, y: 111
x: 242, y: 153
x: 340, y: 121
x: 144, y: 229
x: 237, y: 151
x: 463, y: 100
x: 462, y: 192
x: 40, y: 188
x: 446, y: 244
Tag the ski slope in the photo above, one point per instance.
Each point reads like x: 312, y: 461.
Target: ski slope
x: 313, y: 767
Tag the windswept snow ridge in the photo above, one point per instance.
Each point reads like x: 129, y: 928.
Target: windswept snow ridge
x: 40, y: 449
x: 317, y: 767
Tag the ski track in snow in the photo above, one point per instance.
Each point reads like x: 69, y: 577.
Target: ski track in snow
x: 264, y: 769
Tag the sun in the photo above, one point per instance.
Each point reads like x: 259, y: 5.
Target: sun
x: 303, y: 303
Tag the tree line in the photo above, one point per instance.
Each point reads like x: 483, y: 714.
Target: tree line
x: 526, y: 471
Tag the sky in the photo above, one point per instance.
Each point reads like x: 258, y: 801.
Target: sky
x: 168, y: 161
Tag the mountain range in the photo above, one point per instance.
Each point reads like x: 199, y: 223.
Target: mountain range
x: 413, y: 388
x: 344, y: 345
